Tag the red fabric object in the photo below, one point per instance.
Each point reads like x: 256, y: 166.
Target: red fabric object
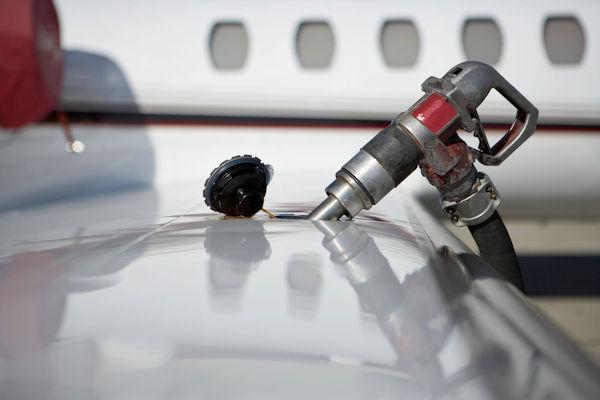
x: 30, y: 61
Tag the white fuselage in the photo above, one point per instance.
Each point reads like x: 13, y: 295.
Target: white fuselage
x: 164, y: 50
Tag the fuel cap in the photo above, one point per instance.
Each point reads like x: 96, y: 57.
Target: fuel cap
x: 237, y: 187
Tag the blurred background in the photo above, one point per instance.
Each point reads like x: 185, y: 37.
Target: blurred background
x: 123, y: 95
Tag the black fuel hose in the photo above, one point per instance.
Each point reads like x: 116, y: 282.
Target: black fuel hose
x: 497, y: 249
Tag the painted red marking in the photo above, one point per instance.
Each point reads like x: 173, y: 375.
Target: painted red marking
x: 435, y: 112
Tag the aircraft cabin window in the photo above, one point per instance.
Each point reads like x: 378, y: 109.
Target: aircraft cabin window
x: 482, y: 40
x: 564, y: 40
x: 399, y: 43
x: 228, y: 45
x: 315, y: 44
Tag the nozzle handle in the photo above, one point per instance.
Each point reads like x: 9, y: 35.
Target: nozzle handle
x: 521, y: 129
x: 466, y: 86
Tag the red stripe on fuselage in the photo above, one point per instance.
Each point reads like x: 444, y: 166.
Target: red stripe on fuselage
x: 114, y: 119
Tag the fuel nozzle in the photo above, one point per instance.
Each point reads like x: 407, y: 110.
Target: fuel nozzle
x: 425, y: 135
x: 372, y: 173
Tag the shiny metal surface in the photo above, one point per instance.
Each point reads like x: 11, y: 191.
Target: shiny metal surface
x: 330, y: 208
x: 475, y: 208
x: 365, y: 169
x: 349, y: 193
x: 123, y: 296
x: 379, y: 166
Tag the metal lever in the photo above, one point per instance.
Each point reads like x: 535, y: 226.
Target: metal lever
x: 521, y: 129
x: 466, y: 86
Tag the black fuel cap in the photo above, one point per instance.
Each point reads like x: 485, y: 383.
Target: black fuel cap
x: 238, y: 186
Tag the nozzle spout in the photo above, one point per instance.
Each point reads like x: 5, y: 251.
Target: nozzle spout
x: 330, y: 209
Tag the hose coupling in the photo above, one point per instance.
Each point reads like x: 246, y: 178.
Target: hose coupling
x: 477, y: 206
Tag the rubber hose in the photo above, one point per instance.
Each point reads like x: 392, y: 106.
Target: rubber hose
x: 497, y: 249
